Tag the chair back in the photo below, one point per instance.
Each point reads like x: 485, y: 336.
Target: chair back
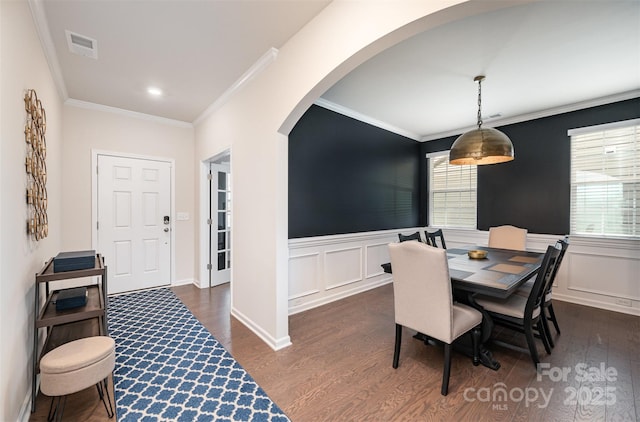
x: 561, y: 244
x: 543, y: 280
x: 422, y: 289
x: 413, y: 236
x: 432, y: 236
x: 508, y: 237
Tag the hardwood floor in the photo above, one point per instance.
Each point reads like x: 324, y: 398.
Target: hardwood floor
x: 339, y: 367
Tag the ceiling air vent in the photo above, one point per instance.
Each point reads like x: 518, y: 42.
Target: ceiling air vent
x: 84, y: 46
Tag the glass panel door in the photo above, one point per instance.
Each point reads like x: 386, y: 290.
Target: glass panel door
x: 220, y: 224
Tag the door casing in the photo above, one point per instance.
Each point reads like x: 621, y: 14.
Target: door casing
x: 94, y: 200
x: 203, y: 227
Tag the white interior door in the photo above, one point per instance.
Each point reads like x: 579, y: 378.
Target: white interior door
x: 134, y: 222
x: 220, y: 227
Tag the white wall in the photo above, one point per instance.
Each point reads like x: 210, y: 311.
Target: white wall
x: 595, y: 272
x: 22, y: 66
x: 87, y: 129
x: 255, y: 122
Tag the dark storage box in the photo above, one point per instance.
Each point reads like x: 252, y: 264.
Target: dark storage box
x: 71, y: 298
x: 74, y: 260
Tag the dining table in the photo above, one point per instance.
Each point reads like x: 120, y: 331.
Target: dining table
x: 498, y: 274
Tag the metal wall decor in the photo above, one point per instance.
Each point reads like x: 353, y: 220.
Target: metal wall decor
x: 34, y: 129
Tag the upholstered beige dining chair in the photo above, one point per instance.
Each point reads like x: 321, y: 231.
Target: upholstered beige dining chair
x: 508, y: 237
x: 423, y: 301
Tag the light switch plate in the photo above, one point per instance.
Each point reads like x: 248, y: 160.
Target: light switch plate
x: 183, y: 216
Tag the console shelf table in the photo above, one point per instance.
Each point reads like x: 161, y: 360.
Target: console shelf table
x: 70, y: 324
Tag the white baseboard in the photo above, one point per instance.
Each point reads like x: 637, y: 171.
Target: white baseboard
x: 332, y: 298
x: 275, y: 344
x: 184, y: 282
x: 25, y: 409
x: 596, y: 304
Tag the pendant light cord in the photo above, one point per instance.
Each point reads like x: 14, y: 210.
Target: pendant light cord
x: 479, y: 79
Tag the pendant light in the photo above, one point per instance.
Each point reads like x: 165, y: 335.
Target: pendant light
x: 482, y: 145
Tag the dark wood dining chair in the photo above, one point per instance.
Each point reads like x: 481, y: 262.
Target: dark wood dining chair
x: 423, y: 301
x: 412, y: 236
x: 548, y: 313
x: 524, y: 313
x: 433, y: 236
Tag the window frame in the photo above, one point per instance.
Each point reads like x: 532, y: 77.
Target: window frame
x: 431, y: 192
x: 602, y: 186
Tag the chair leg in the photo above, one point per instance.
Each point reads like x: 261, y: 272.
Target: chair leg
x: 545, y: 323
x: 528, y: 332
x: 553, y: 317
x: 102, y: 392
x: 475, y: 339
x: 543, y: 335
x: 447, y: 369
x: 396, y: 352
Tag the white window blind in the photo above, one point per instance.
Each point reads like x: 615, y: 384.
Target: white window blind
x: 605, y: 180
x: 452, y: 193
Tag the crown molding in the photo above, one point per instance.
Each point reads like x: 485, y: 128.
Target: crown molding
x: 364, y: 118
x: 42, y: 28
x: 494, y: 123
x: 127, y: 113
x: 260, y: 65
x: 543, y: 113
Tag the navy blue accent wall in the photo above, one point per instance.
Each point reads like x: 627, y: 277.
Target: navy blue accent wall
x: 346, y: 176
x: 533, y: 191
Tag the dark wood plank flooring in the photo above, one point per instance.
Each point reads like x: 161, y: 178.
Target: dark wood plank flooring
x: 339, y: 367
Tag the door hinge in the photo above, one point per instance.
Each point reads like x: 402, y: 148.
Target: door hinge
x: 97, y: 225
x: 209, y: 267
x: 96, y: 169
x: 209, y: 222
x: 209, y: 176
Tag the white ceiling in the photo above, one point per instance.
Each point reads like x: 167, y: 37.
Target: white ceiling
x: 194, y: 50
x: 536, y: 57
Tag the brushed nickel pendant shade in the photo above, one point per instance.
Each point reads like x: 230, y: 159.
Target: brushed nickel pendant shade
x: 482, y: 145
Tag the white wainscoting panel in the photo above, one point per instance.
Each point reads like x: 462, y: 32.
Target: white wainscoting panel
x: 374, y: 255
x: 304, y: 273
x: 342, y: 267
x: 603, y: 273
x: 347, y: 264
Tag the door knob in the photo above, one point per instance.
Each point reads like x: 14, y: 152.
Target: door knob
x: 166, y: 229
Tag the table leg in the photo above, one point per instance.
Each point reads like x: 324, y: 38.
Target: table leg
x: 486, y: 357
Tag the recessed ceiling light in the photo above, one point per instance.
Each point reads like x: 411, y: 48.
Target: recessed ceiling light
x: 156, y: 92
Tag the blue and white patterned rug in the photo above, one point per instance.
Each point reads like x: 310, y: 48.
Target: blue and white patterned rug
x: 170, y: 368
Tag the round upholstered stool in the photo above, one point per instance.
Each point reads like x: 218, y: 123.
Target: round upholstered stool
x: 77, y: 365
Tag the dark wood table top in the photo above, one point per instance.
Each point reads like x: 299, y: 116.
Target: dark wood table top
x: 498, y: 275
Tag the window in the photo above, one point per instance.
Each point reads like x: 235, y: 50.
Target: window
x: 605, y: 180
x: 452, y: 193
